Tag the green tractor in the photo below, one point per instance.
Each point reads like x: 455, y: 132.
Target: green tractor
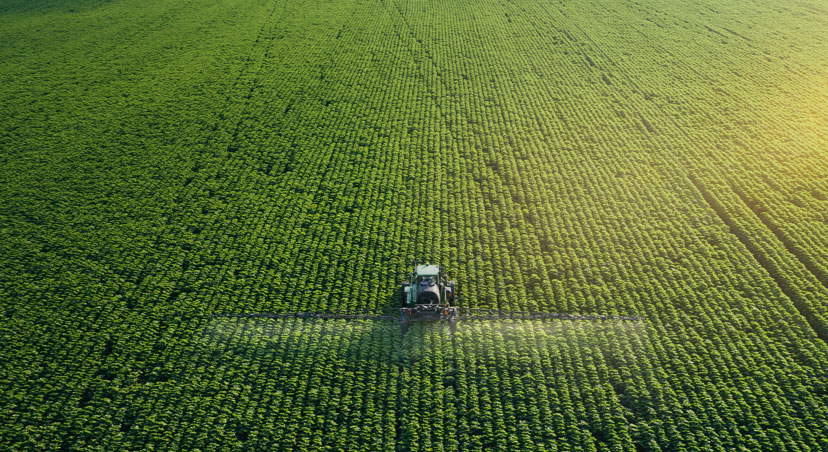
x: 427, y: 293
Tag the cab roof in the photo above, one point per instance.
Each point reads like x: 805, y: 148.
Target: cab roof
x: 427, y: 270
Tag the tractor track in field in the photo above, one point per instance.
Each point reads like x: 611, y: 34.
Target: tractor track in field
x: 801, y: 256
x: 781, y: 280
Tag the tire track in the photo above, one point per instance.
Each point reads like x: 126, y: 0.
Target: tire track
x: 789, y: 288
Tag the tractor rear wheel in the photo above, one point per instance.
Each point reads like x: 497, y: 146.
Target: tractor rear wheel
x: 404, y: 295
x: 451, y: 292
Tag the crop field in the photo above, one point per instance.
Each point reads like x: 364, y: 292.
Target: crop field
x: 164, y: 161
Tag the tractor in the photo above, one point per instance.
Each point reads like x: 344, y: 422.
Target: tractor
x: 427, y: 293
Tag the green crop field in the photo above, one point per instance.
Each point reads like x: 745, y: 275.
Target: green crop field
x: 163, y: 161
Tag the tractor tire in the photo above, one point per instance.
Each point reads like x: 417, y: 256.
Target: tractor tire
x: 403, y: 295
x: 451, y: 292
